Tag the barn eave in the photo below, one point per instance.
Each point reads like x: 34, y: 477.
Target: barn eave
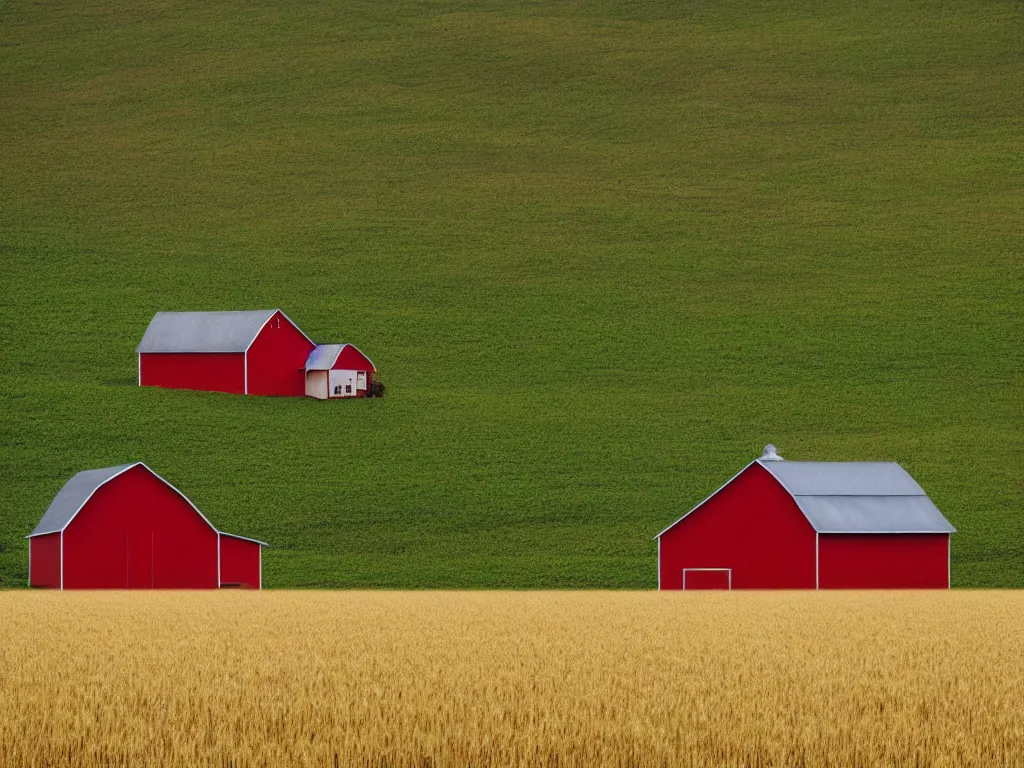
x: 243, y: 538
x: 218, y: 332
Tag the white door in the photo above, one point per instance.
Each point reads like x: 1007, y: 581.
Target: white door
x: 343, y: 384
x: 360, y: 380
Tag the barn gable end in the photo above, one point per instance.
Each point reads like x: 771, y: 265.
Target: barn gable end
x: 137, y: 531
x: 275, y: 358
x: 326, y: 357
x: 126, y: 527
x: 751, y: 528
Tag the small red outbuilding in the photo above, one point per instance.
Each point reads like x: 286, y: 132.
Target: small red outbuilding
x: 809, y: 525
x: 338, y: 370
x: 126, y: 527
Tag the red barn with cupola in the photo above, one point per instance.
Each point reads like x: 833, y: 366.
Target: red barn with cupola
x: 809, y: 525
x: 126, y: 527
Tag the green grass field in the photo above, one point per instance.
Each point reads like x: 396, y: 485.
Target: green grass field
x: 600, y: 255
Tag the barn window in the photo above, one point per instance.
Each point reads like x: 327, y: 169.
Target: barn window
x: 337, y: 390
x: 348, y: 389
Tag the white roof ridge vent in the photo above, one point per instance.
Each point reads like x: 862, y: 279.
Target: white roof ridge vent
x: 770, y: 454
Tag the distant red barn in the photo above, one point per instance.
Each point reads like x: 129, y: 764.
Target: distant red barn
x: 126, y: 527
x: 258, y: 352
x: 338, y: 370
x: 809, y: 525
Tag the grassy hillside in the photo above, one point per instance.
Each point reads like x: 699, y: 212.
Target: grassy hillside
x: 601, y: 256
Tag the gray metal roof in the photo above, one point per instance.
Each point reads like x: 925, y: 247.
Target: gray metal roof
x: 72, y: 497
x: 858, y: 497
x: 203, y: 331
x: 852, y: 497
x: 873, y: 514
x: 843, y: 478
x: 322, y: 357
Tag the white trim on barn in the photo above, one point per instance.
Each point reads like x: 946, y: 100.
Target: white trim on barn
x: 187, y: 499
x: 706, y: 500
x: 817, y: 571
x: 879, y: 533
x: 61, y: 558
x: 296, y: 327
x: 659, y: 563
x: 86, y: 501
x: 245, y: 352
x: 244, y: 538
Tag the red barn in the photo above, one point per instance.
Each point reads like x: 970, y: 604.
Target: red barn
x: 809, y: 525
x: 338, y: 370
x: 258, y: 352
x: 127, y: 528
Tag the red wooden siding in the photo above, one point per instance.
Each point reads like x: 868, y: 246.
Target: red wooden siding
x: 138, y: 532
x: 208, y: 371
x: 44, y: 558
x: 351, y: 359
x: 699, y: 579
x: 751, y: 526
x: 239, y: 562
x: 277, y: 359
x: 884, y: 561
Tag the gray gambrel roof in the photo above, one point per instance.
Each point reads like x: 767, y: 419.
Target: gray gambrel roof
x: 72, y: 497
x: 853, y: 497
x: 80, y: 488
x: 204, y: 331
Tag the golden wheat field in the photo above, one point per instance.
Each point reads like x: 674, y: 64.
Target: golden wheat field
x: 496, y: 679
